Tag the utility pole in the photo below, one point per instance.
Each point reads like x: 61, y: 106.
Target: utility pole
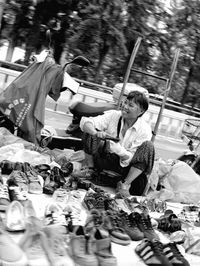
x: 2, y: 4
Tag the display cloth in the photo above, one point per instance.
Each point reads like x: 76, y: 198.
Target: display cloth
x: 125, y: 254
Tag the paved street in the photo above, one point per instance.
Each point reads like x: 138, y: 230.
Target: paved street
x: 166, y: 148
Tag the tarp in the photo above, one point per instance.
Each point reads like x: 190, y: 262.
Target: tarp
x: 23, y: 101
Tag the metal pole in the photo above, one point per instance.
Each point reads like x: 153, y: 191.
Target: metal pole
x: 168, y: 87
x: 2, y: 4
x: 132, y: 58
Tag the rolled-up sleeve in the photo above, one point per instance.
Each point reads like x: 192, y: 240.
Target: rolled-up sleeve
x: 100, y: 122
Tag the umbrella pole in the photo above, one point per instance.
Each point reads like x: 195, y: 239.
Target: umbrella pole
x: 132, y: 58
x: 168, y: 87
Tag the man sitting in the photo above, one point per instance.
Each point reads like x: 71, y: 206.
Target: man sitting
x: 133, y: 156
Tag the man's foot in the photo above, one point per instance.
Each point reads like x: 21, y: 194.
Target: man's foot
x: 123, y: 189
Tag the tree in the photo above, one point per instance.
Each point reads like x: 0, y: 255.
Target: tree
x: 98, y: 29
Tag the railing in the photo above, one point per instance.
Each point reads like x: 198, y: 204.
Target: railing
x: 171, y: 123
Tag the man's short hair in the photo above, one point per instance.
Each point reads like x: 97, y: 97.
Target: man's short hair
x: 139, y: 98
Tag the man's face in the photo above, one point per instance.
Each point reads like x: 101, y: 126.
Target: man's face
x: 130, y: 109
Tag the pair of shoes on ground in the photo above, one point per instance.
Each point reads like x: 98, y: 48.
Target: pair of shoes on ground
x: 28, y: 182
x: 99, y: 199
x: 92, y: 249
x: 136, y: 225
x: 153, y: 252
x: 7, y: 167
x: 45, y: 245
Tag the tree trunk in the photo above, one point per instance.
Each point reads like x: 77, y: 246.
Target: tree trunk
x: 190, y: 74
x: 100, y: 64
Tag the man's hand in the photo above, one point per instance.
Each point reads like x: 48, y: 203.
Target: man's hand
x: 101, y: 134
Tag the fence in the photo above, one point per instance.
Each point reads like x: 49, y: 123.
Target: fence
x: 171, y: 123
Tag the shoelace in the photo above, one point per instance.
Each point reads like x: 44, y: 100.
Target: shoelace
x: 175, y: 251
x: 4, y: 192
x: 157, y: 247
x: 147, y: 223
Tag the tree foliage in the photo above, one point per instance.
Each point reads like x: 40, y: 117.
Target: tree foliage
x: 106, y: 32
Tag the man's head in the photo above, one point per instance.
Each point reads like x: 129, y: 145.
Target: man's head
x: 135, y: 105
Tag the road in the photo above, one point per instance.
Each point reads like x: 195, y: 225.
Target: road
x: 166, y: 148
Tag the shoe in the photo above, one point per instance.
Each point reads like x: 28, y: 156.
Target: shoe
x: 74, y: 206
x: 43, y: 170
x: 18, y: 179
x: 144, y: 224
x: 103, y: 249
x: 87, y: 173
x: 94, y: 220
x: 6, y: 167
x: 36, y: 182
x: 4, y: 196
x: 54, y: 180
x: 130, y: 226
x: 29, y: 210
x: 113, y: 224
x: 151, y: 252
x: 123, y: 190
x: 57, y: 236
x: 10, y: 253
x: 95, y: 199
x: 67, y: 168
x: 169, y: 222
x: 36, y: 245
x: 61, y: 196
x: 173, y: 254
x: 15, y: 220
x: 83, y: 248
x: 17, y: 194
x: 54, y: 214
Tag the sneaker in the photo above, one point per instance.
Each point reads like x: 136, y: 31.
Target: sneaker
x: 95, y: 199
x: 173, y: 254
x: 130, y: 226
x: 103, y: 249
x: 87, y: 173
x: 151, y: 252
x: 61, y: 196
x: 14, y: 220
x: 18, y: 179
x: 83, y: 247
x: 94, y: 220
x: 4, y: 196
x: 113, y: 224
x: 10, y: 253
x: 29, y: 210
x: 36, y: 182
x: 58, y: 242
x: 144, y: 224
x: 18, y: 194
x: 54, y: 214
x: 36, y: 246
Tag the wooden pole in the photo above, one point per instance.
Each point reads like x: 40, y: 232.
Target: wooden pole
x: 127, y: 74
x: 2, y: 4
x: 168, y: 87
